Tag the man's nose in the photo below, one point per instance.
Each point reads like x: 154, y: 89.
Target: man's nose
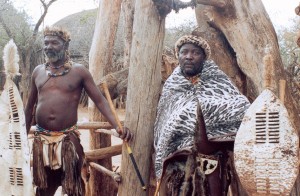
x: 189, y: 55
x: 48, y: 46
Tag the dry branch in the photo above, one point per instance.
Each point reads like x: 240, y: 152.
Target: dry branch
x: 110, y: 132
x: 103, y: 153
x: 164, y: 7
x: 116, y: 176
x: 214, y: 3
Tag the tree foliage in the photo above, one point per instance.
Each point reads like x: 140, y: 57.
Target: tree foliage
x: 15, y: 25
x: 175, y: 32
x: 10, y: 29
x: 287, y: 37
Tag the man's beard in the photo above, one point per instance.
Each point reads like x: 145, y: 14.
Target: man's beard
x: 191, y: 71
x: 53, y: 56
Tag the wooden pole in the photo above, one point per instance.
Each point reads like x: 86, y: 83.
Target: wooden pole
x: 282, y: 85
x: 107, y: 95
x: 100, y: 61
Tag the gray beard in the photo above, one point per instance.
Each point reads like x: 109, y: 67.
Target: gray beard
x: 54, y: 56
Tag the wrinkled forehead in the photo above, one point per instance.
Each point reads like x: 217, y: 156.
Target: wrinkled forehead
x: 53, y: 38
x: 190, y: 46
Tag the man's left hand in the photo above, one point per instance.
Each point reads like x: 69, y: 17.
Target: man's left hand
x: 125, y: 133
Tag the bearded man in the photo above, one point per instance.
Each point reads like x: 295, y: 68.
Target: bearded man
x: 196, y: 84
x: 56, y: 88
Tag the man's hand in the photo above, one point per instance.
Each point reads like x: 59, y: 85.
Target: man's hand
x: 125, y: 133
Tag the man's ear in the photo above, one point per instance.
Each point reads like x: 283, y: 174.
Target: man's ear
x: 66, y: 45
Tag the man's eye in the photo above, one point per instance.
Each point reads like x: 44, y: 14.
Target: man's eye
x: 183, y: 52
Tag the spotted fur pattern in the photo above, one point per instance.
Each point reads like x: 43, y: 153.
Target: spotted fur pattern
x: 222, y: 105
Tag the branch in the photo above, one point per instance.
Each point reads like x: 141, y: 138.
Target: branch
x: 6, y: 28
x: 164, y: 7
x: 214, y: 3
x: 38, y: 24
x: 2, y: 5
x: 177, y: 4
x: 32, y: 39
x: 114, y: 175
x: 46, y: 7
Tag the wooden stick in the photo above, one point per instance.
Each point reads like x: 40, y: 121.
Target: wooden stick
x: 116, y: 176
x: 107, y: 95
x: 103, y: 153
x: 282, y: 85
x: 94, y: 125
x: 110, y: 132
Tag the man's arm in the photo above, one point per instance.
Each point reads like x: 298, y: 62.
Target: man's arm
x: 30, y: 103
x: 101, y: 103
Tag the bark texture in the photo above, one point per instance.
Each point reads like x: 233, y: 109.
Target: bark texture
x: 143, y: 89
x: 100, y: 60
x: 246, y: 28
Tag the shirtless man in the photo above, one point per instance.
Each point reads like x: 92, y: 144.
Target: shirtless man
x: 56, y: 89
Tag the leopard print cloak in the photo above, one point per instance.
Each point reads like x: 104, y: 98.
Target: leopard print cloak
x: 223, y: 108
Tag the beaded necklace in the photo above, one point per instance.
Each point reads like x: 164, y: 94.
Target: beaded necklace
x: 64, y: 72
x: 194, y: 79
x: 56, y: 67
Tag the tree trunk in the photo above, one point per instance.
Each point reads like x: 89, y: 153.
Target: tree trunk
x: 128, y: 13
x: 100, y: 60
x: 116, y: 83
x: 143, y: 91
x: 221, y: 51
x: 249, y: 32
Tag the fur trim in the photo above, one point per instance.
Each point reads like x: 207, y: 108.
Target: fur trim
x: 57, y: 31
x: 193, y: 39
x: 39, y: 173
x: 11, y: 59
x: 71, y: 181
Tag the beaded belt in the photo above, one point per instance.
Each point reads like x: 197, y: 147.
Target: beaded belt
x: 41, y: 130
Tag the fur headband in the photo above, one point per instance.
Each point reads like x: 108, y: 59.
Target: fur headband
x: 192, y: 39
x: 57, y: 31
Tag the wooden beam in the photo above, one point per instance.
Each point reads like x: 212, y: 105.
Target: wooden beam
x: 87, y: 125
x: 103, y: 153
x: 110, y: 132
x: 94, y: 125
x: 116, y: 176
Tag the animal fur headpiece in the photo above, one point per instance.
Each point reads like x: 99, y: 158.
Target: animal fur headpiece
x: 57, y: 31
x: 11, y: 59
x: 192, y: 39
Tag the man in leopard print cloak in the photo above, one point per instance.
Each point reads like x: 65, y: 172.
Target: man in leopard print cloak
x: 197, y: 80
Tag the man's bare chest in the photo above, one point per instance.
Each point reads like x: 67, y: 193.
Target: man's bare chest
x: 68, y: 82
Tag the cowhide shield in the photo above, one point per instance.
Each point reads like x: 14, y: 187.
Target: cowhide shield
x: 266, y: 148
x: 14, y: 149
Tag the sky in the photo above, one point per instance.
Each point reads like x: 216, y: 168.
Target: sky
x: 281, y: 12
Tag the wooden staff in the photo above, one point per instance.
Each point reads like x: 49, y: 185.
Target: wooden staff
x: 282, y: 84
x: 107, y: 95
